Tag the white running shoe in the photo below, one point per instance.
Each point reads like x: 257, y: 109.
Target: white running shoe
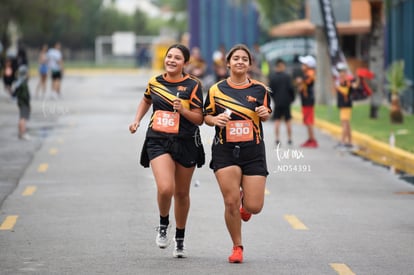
x: 179, y: 250
x: 162, y: 239
x: 25, y: 137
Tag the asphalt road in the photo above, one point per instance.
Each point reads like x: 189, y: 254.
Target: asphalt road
x: 83, y: 205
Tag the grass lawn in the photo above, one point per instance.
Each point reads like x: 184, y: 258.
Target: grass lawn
x: 379, y: 129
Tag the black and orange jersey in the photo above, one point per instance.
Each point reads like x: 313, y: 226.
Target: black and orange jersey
x: 344, y: 90
x: 307, y: 94
x: 162, y: 92
x: 241, y: 101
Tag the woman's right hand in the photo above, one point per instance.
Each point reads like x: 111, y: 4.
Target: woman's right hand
x: 221, y: 120
x: 133, y: 127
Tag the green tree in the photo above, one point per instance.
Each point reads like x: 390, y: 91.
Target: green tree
x: 111, y: 20
x: 86, y: 27
x: 279, y: 11
x: 397, y: 83
x: 179, y: 20
x: 40, y: 18
x: 140, y: 23
x: 175, y: 5
x: 76, y: 23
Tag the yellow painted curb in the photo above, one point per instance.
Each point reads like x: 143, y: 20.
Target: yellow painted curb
x: 370, y: 148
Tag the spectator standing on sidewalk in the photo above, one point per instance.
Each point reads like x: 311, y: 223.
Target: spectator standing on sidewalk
x: 55, y: 64
x: 236, y: 107
x: 344, y: 87
x: 283, y: 94
x: 22, y: 56
x: 172, y: 145
x: 8, y: 76
x: 305, y: 86
x: 43, y: 69
x: 22, y: 93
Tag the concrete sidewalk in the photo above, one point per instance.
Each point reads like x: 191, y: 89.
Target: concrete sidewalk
x: 15, y: 154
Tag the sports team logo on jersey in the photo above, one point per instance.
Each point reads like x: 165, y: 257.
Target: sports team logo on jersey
x: 251, y: 99
x: 181, y: 88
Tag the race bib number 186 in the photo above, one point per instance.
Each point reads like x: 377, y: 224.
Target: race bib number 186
x: 239, y: 130
x: 166, y: 122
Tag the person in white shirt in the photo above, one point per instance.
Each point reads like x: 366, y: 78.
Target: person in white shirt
x: 55, y: 64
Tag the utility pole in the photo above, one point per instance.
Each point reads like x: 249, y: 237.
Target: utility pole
x: 376, y: 56
x: 329, y: 53
x: 323, y: 84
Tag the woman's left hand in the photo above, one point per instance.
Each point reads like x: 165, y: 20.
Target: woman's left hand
x: 262, y: 112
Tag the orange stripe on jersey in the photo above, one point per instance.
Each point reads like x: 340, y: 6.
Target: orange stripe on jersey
x: 265, y: 100
x: 215, y: 94
x: 241, y: 102
x: 265, y: 103
x: 163, y: 92
x: 168, y: 97
x: 194, y: 97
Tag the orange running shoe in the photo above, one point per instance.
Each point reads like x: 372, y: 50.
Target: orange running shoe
x: 245, y: 216
x: 237, y: 256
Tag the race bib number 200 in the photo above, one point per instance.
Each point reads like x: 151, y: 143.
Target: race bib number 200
x: 166, y: 122
x: 239, y: 130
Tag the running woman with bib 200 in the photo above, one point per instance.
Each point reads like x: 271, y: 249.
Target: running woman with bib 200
x: 173, y: 145
x: 236, y: 107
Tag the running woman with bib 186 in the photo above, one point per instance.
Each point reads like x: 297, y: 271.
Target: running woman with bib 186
x: 173, y: 145
x: 236, y: 107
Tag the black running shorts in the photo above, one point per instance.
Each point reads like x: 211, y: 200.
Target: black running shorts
x: 251, y: 159
x: 56, y: 75
x: 186, y: 152
x: 282, y: 112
